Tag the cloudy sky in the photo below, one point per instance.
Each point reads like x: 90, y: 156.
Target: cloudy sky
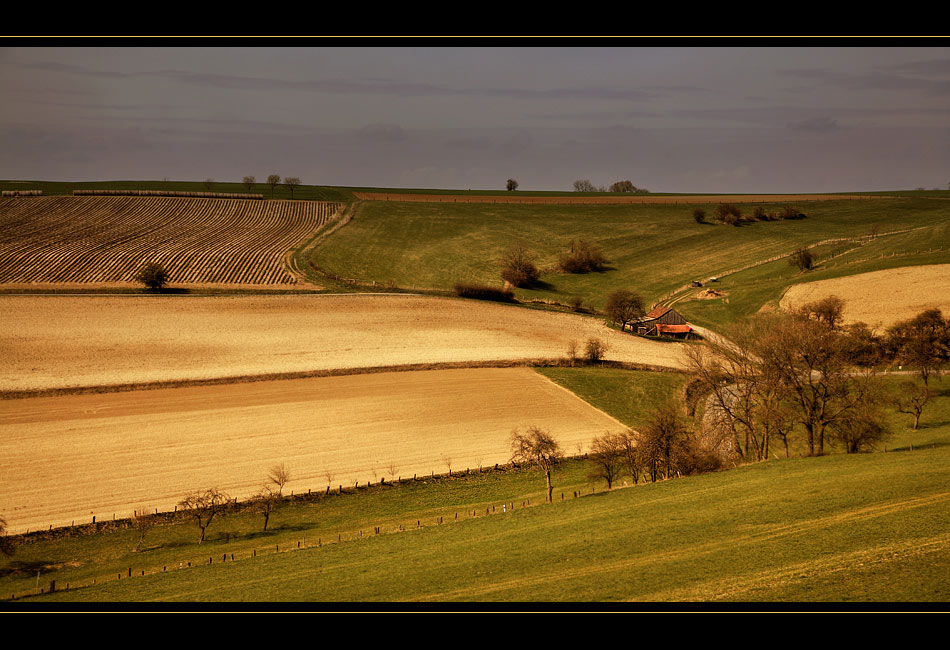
x: 673, y: 119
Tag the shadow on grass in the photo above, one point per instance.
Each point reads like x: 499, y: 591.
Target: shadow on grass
x: 26, y: 568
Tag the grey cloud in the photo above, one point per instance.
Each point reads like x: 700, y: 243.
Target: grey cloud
x: 935, y: 67
x: 870, y: 81
x: 382, y: 133
x: 815, y: 125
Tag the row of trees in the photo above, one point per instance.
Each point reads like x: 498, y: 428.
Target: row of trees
x: 291, y: 183
x: 775, y: 374
x: 620, y: 186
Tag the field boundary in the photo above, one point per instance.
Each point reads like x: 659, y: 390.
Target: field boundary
x: 613, y: 200
x: 544, y: 362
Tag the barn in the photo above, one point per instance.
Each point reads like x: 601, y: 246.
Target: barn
x: 664, y: 321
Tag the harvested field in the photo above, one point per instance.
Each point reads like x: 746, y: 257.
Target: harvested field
x: 880, y: 298
x: 610, y: 200
x: 56, y: 341
x: 108, y: 239
x: 71, y: 457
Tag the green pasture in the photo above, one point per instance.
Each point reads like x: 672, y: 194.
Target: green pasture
x: 652, y: 249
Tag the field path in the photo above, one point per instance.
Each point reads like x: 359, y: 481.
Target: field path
x: 67, y: 458
x: 57, y: 341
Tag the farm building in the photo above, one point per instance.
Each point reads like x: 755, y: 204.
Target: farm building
x: 664, y: 321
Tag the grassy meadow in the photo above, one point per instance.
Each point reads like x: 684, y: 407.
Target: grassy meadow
x: 652, y: 249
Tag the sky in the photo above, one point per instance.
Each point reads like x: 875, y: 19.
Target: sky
x: 669, y: 119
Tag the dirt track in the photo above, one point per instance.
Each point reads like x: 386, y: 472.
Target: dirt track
x: 881, y: 298
x: 67, y: 458
x: 619, y: 199
x: 69, y: 341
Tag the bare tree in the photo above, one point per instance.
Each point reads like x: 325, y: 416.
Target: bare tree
x: 606, y: 457
x: 912, y: 399
x: 829, y: 311
x: 209, y: 184
x: 273, y: 180
x: 538, y: 448
x: 584, y: 186
x: 623, y: 186
x: 266, y: 501
x: 922, y: 342
x: 279, y: 476
x: 292, y: 183
x: 447, y: 460
x: 142, y: 521
x: 203, y: 507
x: 392, y: 468
x: 249, y: 182
x: 329, y: 474
x: 572, y: 352
x: 511, y: 185
x: 7, y: 546
x: 624, y: 306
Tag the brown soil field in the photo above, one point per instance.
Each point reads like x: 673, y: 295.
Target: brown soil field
x: 880, y: 298
x: 67, y: 458
x: 108, y: 239
x: 58, y: 341
x: 588, y: 200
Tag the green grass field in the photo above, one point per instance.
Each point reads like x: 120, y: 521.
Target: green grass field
x: 865, y: 527
x: 652, y: 249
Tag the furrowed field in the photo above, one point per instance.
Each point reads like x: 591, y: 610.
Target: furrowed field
x: 109, y: 239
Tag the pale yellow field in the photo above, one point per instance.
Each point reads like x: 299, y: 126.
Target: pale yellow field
x: 71, y: 457
x: 55, y: 341
x: 880, y: 298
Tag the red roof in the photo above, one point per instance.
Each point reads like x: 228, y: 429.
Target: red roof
x: 673, y: 329
x: 657, y: 312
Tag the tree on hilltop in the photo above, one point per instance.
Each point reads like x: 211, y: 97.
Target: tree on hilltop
x: 291, y: 182
x: 249, y: 182
x: 203, y: 507
x: 511, y: 185
x: 273, y: 180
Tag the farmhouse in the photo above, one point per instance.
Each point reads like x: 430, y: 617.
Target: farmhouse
x: 664, y: 321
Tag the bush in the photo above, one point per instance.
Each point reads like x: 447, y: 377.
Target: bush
x: 153, y: 276
x: 576, y: 303
x: 759, y: 213
x: 518, y: 268
x: 484, y: 292
x: 728, y: 213
x: 595, y: 350
x: 802, y: 258
x: 583, y: 258
x: 699, y: 215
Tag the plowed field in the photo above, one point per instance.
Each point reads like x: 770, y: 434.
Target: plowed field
x: 71, y: 457
x: 109, y: 239
x: 61, y: 341
x: 880, y: 298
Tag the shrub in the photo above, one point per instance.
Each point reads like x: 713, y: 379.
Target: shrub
x: 583, y: 258
x: 728, y: 213
x: 484, y: 292
x: 518, y: 268
x: 699, y: 215
x: 759, y: 213
x: 153, y: 276
x: 790, y: 212
x: 595, y: 350
x: 576, y: 303
x: 802, y: 258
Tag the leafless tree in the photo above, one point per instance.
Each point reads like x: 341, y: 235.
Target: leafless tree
x: 606, y: 457
x: 392, y: 469
x: 572, y: 352
x: 447, y: 461
x: 249, y: 182
x: 203, y: 506
x: 209, y: 184
x: 292, y: 183
x: 584, y: 186
x: 273, y: 180
x: 7, y: 546
x: 279, y: 476
x: 923, y: 342
x: 538, y: 448
x: 912, y: 399
x: 142, y: 521
x: 329, y: 474
x: 623, y: 186
x: 624, y: 306
x: 266, y: 501
x: 829, y: 311
x: 511, y: 185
